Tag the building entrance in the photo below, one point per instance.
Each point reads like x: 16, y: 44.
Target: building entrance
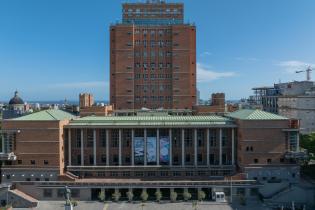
x: 95, y: 193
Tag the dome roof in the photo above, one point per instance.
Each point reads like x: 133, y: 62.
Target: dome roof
x: 16, y: 99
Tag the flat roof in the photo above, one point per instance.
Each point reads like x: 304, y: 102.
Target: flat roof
x: 168, y: 120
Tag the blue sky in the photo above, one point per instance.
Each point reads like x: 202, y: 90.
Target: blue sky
x: 55, y: 49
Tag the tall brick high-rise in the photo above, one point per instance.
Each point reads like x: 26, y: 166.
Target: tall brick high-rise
x: 153, y: 57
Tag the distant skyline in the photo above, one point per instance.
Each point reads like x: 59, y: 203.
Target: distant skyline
x: 55, y: 49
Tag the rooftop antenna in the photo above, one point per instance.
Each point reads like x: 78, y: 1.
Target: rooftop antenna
x: 308, y: 73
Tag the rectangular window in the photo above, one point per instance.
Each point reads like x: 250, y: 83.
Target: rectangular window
x: 176, y: 173
x: 103, y: 158
x: 33, y: 162
x: 139, y: 173
x: 212, y: 161
x: 114, y: 173
x: 189, y: 173
x: 199, y: 158
x: 213, y: 140
x: 126, y: 173
x: 91, y: 159
x: 187, y: 158
x: 102, y: 137
x: 78, y: 138
x: 151, y: 174
x: 164, y: 173
x: 115, y: 159
x: 45, y: 162
x: 90, y: 138
x: 115, y: 138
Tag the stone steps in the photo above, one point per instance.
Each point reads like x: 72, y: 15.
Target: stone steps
x: 21, y: 200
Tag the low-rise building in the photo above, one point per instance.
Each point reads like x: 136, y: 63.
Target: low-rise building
x: 168, y: 152
x: 33, y: 146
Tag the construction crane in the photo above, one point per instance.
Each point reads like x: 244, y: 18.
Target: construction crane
x: 308, y: 73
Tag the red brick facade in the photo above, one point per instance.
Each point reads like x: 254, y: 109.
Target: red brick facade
x: 153, y: 66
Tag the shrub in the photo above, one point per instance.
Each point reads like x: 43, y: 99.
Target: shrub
x: 101, y: 196
x: 74, y: 203
x: 158, y: 195
x: 186, y: 195
x: 116, y: 195
x: 130, y: 195
x: 173, y: 196
x: 201, y: 195
x: 144, y: 195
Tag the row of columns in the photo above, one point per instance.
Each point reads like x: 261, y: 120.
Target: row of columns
x: 158, y: 147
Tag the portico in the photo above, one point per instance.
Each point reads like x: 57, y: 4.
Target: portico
x: 147, y: 142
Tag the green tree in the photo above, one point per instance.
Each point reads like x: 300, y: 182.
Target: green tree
x: 308, y: 142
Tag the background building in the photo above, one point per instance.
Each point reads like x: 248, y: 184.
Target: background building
x: 293, y: 100
x: 86, y: 100
x: 217, y: 105
x: 153, y: 58
x: 15, y: 108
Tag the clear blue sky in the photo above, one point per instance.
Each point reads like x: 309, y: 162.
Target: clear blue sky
x: 55, y: 49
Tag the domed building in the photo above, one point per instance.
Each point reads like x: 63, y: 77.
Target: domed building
x: 16, y: 103
x: 16, y: 107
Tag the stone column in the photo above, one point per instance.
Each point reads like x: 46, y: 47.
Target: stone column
x: 157, y: 146
x: 82, y: 148
x: 171, y: 146
x: 94, y: 146
x: 220, y: 147
x: 132, y: 147
x: 107, y: 147
x: 233, y: 145
x: 183, y: 147
x: 208, y: 146
x: 145, y: 147
x: 119, y: 147
x: 195, y: 148
x: 69, y: 146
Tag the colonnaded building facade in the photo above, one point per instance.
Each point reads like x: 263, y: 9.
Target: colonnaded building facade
x: 153, y: 65
x: 49, y: 149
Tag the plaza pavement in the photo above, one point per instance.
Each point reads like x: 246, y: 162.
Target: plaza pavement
x: 57, y: 205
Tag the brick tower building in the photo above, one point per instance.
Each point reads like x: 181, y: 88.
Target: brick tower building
x: 153, y: 57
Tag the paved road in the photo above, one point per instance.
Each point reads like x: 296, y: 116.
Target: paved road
x: 56, y: 205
